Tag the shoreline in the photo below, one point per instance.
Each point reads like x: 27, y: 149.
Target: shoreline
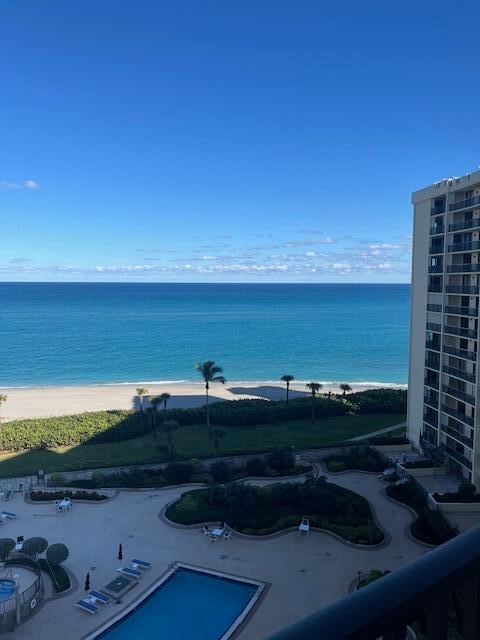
x: 48, y: 401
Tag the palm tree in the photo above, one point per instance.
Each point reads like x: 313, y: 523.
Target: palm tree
x: 168, y: 427
x: 345, y: 388
x: 155, y: 401
x: 287, y: 379
x: 314, y: 389
x: 217, y: 435
x: 164, y: 397
x: 210, y: 373
x: 141, y: 392
x: 3, y: 399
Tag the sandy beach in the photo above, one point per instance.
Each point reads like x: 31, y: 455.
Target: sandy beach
x: 55, y: 401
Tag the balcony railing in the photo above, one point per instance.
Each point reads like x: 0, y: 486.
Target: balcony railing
x: 466, y: 224
x: 436, y: 248
x: 461, y: 331
x: 458, y: 436
x: 431, y: 420
x: 436, y: 211
x: 433, y: 326
x: 420, y: 588
x: 462, y: 311
x: 459, y: 373
x: 464, y: 246
x: 437, y: 229
x: 431, y: 402
x: 457, y: 393
x: 437, y: 308
x: 458, y: 415
x: 432, y: 363
x: 464, y: 204
x: 468, y: 267
x: 435, y: 268
x: 460, y: 353
x: 462, y: 288
x: 432, y: 346
x: 459, y: 457
x: 434, y: 288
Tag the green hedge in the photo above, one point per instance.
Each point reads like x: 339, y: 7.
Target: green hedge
x: 260, y: 511
x: 45, y: 496
x: 357, y: 459
x: 115, y: 426
x: 60, y: 578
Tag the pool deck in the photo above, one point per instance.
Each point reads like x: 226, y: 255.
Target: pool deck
x: 304, y: 572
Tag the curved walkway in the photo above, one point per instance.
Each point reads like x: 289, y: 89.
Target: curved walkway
x: 305, y: 572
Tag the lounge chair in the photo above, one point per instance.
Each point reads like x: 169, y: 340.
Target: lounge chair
x: 129, y: 571
x: 97, y: 596
x: 8, y: 514
x: 227, y: 535
x: 304, y: 526
x: 8, y: 495
x: 206, y: 530
x: 141, y: 564
x: 19, y: 543
x: 87, y: 606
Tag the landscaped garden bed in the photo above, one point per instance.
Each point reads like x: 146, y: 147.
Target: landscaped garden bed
x: 430, y: 526
x: 357, y: 459
x: 260, y: 511
x: 48, y: 496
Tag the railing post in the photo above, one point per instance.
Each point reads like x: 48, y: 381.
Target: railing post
x: 437, y: 619
x: 471, y: 609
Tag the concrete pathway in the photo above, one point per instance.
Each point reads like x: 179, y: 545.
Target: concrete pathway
x: 305, y: 572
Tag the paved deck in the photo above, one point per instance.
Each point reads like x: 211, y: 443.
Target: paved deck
x: 305, y: 572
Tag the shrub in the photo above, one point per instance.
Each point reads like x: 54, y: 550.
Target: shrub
x: 58, y: 575
x: 6, y: 545
x: 363, y: 458
x: 220, y: 471
x: 466, y: 490
x: 57, y: 553
x: 281, y: 460
x: 256, y: 467
x: 34, y: 546
x: 380, y: 401
x: 56, y: 480
x: 45, y: 496
x: 336, y: 465
x: 179, y: 472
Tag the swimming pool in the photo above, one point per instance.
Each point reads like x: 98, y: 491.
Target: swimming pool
x: 7, y: 588
x: 188, y: 603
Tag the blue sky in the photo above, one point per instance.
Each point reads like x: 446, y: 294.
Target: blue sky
x: 215, y: 141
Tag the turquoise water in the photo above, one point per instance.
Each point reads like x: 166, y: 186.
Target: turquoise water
x: 189, y: 605
x: 53, y: 334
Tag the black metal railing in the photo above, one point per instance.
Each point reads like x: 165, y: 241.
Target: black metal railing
x: 464, y: 246
x: 437, y: 308
x: 431, y: 420
x: 436, y: 248
x: 459, y: 373
x: 435, y: 268
x: 458, y: 393
x: 456, y: 455
x: 462, y: 311
x: 461, y: 331
x: 437, y: 229
x: 458, y: 415
x: 430, y: 401
x: 433, y: 363
x: 420, y: 588
x: 432, y: 346
x: 462, y: 288
x: 467, y: 267
x: 460, y: 353
x: 434, y: 288
x: 437, y: 210
x: 465, y: 224
x: 463, y: 204
x: 433, y: 326
x: 458, y: 436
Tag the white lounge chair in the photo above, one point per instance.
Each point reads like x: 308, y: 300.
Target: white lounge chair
x: 129, y: 571
x: 87, y: 606
x: 8, y: 514
x: 304, y: 526
x: 227, y: 535
x: 97, y: 596
x: 141, y: 564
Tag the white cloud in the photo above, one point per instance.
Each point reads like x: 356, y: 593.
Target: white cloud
x: 9, y: 185
x: 31, y: 184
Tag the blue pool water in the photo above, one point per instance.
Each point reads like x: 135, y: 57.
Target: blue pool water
x: 7, y: 589
x: 190, y: 604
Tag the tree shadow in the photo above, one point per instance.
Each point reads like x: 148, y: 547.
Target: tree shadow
x: 176, y: 401
x: 268, y: 392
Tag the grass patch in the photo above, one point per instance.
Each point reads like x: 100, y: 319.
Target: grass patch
x: 260, y: 511
x: 58, y: 575
x: 357, y: 459
x: 192, y: 442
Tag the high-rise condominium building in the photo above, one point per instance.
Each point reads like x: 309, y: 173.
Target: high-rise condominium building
x: 444, y: 398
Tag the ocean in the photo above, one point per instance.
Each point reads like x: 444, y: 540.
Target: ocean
x: 102, y: 333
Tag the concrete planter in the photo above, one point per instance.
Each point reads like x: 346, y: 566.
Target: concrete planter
x: 425, y: 471
x: 456, y: 507
x: 393, y: 448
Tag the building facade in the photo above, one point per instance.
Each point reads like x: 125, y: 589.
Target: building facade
x: 444, y: 397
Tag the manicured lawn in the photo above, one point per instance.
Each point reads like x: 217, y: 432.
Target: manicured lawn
x: 192, y: 441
